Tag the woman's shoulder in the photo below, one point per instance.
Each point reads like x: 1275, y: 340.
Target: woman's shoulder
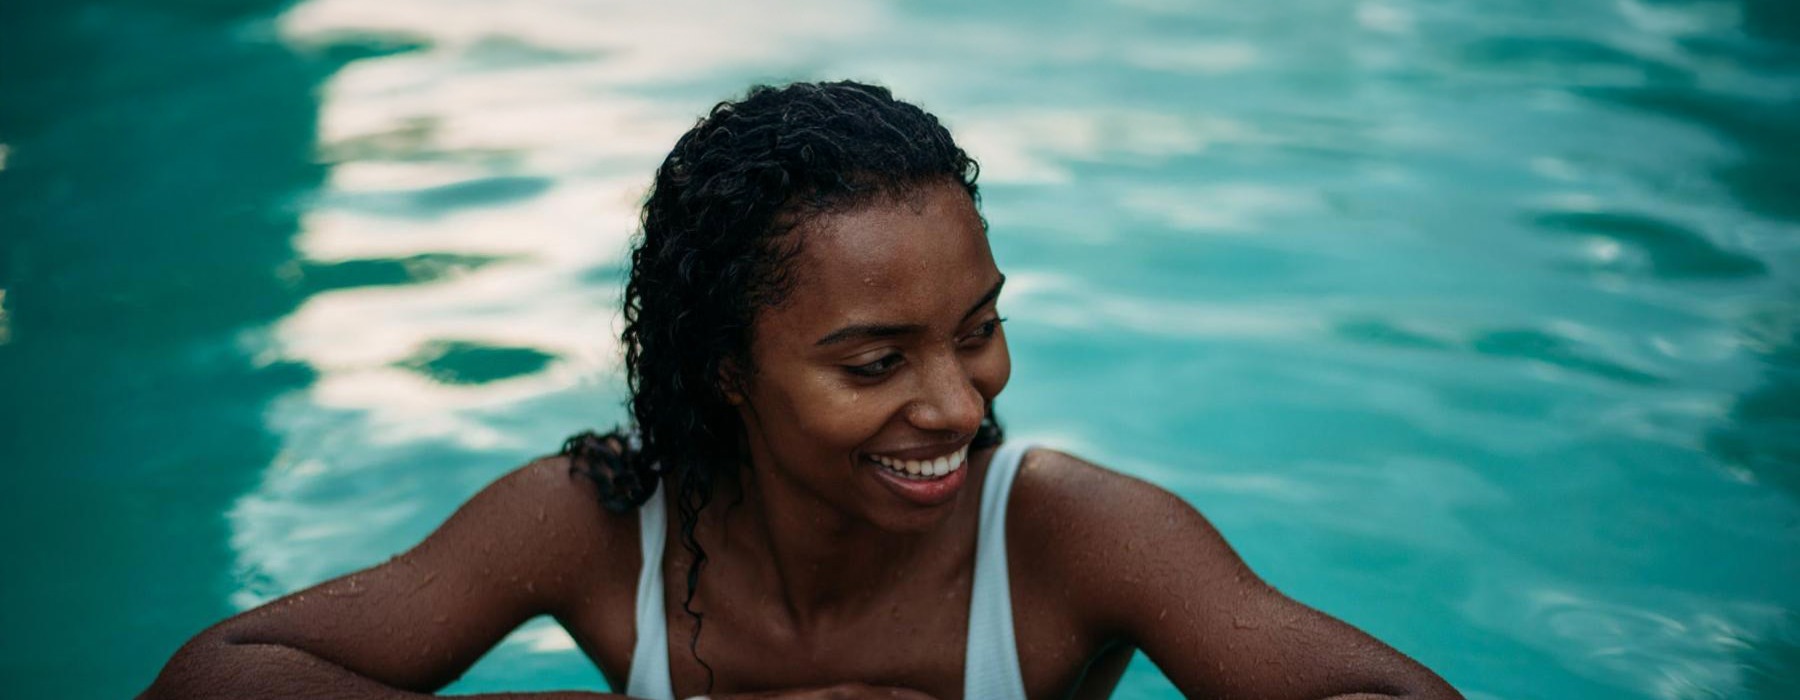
x: 554, y: 491
x: 1054, y: 486
x: 1092, y: 527
x: 543, y: 521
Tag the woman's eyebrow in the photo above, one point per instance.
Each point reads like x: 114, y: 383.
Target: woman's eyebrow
x: 884, y: 330
x: 986, y: 299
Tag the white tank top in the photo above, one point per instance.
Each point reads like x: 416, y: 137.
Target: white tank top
x: 991, y: 662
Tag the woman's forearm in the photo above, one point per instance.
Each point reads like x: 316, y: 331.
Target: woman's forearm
x: 206, y: 670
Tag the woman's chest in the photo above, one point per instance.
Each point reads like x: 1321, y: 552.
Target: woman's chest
x: 912, y: 637
x: 917, y: 639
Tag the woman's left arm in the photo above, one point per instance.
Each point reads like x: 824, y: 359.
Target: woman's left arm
x: 1154, y: 573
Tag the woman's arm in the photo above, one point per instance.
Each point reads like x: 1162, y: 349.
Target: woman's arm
x: 1170, y: 585
x: 412, y: 625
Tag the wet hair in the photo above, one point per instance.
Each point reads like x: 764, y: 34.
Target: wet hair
x: 716, y: 247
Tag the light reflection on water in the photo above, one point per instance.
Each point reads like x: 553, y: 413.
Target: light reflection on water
x: 1420, y: 302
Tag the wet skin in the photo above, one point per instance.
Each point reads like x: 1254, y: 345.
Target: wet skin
x: 827, y: 572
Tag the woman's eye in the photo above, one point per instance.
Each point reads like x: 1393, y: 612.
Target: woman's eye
x: 880, y: 367
x: 987, y: 330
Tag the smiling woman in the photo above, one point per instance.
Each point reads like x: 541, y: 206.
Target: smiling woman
x: 814, y: 350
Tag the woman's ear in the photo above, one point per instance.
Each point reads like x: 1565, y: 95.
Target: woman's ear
x: 730, y: 383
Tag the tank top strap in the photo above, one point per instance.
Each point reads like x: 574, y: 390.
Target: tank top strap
x: 991, y: 665
x: 650, y: 677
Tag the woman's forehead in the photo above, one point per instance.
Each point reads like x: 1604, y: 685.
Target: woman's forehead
x: 902, y: 256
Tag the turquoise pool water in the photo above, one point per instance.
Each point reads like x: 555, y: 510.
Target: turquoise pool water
x: 1475, y: 324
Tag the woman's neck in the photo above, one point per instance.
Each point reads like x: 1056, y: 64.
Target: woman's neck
x: 819, y: 560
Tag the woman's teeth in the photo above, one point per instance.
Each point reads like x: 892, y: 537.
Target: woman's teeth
x: 926, y: 468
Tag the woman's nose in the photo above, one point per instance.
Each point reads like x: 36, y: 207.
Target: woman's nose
x: 948, y: 401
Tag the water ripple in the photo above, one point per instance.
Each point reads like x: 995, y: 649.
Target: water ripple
x: 1668, y: 249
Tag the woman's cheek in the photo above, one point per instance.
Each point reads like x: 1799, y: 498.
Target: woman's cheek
x: 844, y: 408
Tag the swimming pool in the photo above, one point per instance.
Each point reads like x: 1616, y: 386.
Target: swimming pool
x: 1474, y: 324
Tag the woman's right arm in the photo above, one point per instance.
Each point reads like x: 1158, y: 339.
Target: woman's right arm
x: 528, y: 544
x: 531, y: 543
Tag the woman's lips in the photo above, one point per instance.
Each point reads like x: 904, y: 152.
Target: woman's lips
x: 925, y: 482
x: 924, y: 468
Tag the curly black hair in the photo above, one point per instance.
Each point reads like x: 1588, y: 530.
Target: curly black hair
x: 715, y: 248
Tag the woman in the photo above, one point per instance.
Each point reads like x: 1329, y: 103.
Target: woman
x: 817, y: 501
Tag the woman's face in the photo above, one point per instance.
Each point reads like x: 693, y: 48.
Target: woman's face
x: 874, y: 374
